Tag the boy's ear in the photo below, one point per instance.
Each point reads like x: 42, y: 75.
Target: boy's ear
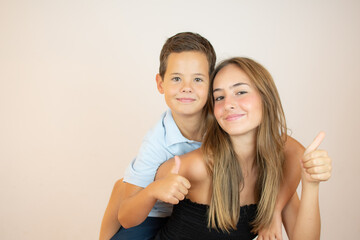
x: 159, y: 83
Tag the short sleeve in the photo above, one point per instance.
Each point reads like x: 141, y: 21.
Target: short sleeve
x: 141, y: 171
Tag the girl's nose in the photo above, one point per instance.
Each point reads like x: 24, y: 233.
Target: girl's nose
x: 229, y: 103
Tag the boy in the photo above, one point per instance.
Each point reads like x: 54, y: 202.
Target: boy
x: 186, y: 62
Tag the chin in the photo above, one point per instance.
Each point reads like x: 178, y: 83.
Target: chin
x: 182, y: 112
x: 241, y: 132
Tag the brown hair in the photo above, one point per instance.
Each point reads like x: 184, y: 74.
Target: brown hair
x: 186, y: 41
x: 222, y: 162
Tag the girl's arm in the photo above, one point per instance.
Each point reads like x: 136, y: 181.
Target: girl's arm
x: 290, y: 213
x: 307, y: 224
x: 293, y: 152
x: 191, y: 166
x: 302, y: 220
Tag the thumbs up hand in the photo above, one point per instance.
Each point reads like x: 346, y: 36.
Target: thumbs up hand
x: 316, y: 164
x: 175, y: 169
x: 173, y: 187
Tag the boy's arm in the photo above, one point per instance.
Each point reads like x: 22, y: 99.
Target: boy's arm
x: 138, y: 201
x: 110, y: 224
x: 171, y: 185
x: 293, y: 152
x: 135, y: 205
x: 138, y: 197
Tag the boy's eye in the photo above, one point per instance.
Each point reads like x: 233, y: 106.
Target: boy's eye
x: 198, y: 80
x: 176, y: 79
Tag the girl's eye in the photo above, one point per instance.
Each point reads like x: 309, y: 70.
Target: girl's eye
x: 241, y: 92
x: 198, y: 80
x: 176, y: 79
x: 219, y: 98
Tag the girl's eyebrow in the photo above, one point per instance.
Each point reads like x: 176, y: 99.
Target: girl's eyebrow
x: 233, y: 86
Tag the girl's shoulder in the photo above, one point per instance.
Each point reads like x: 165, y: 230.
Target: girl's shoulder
x: 193, y: 166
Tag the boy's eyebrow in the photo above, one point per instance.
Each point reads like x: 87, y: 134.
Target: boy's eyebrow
x: 233, y: 86
x: 197, y: 74
x: 200, y: 74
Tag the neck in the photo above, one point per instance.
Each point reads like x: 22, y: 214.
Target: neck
x: 245, y: 148
x: 189, y: 125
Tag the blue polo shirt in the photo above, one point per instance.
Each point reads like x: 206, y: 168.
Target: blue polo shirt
x: 161, y: 143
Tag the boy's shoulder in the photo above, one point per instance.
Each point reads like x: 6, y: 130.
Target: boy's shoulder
x: 164, y: 141
x: 158, y: 128
x: 165, y: 131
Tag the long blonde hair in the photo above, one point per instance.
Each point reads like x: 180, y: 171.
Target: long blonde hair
x: 222, y: 162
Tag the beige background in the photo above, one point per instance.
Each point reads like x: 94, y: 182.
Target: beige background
x: 78, y: 93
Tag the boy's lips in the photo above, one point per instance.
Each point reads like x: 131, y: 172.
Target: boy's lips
x: 185, y: 100
x: 233, y: 117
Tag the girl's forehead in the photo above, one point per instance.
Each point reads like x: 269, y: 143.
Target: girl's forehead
x: 229, y: 76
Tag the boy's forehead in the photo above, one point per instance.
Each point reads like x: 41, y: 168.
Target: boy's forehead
x: 188, y: 58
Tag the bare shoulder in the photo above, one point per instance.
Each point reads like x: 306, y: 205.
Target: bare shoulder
x: 193, y: 166
x: 292, y: 145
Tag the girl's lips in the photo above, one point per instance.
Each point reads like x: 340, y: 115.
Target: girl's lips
x: 233, y: 117
x: 186, y: 100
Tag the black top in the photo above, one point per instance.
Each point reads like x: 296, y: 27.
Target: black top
x: 189, y: 221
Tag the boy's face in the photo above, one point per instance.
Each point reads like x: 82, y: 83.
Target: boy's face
x: 186, y: 83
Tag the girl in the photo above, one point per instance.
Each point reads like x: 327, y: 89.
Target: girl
x: 236, y: 174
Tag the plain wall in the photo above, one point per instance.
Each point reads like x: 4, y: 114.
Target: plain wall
x: 78, y: 93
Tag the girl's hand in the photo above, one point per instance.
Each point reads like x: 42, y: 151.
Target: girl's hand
x: 316, y: 164
x: 274, y: 231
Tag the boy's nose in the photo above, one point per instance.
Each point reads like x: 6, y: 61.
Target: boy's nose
x: 186, y: 88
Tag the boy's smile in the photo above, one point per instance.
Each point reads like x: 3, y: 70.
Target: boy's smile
x: 186, y: 83
x: 186, y: 100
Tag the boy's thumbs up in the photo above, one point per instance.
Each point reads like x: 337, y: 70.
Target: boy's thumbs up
x: 175, y: 169
x: 173, y: 187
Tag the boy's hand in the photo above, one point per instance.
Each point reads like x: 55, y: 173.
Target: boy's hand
x: 173, y: 187
x: 274, y: 230
x: 316, y: 164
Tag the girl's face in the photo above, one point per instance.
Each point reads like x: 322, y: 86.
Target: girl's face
x: 238, y: 104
